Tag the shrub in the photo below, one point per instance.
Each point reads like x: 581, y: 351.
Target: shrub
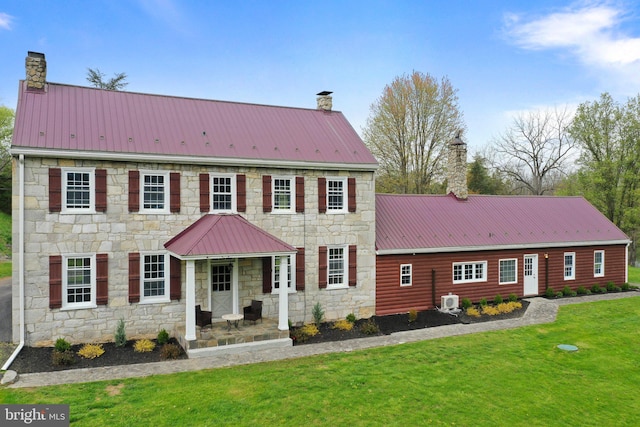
x: 466, y: 303
x: 120, y: 337
x: 550, y: 293
x: 483, y: 302
x: 306, y: 331
x: 170, y: 351
x: 62, y: 358
x: 343, y: 325
x: 413, y: 315
x: 498, y: 299
x: 611, y: 287
x: 508, y: 307
x: 625, y: 287
x: 62, y: 345
x: 566, y: 291
x: 351, y: 318
x: 559, y: 294
x: 163, y: 337
x: 91, y: 351
x: 596, y: 289
x: 581, y: 290
x: 513, y: 297
x: 369, y: 327
x: 143, y: 346
x: 472, y: 311
x: 318, y: 313
x: 490, y: 310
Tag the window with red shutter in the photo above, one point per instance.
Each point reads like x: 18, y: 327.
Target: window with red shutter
x: 353, y: 265
x: 351, y: 196
x: 300, y: 279
x: 322, y: 195
x: 322, y: 267
x: 55, y: 281
x: 134, y: 191
x: 174, y: 192
x: 102, y: 279
x: 175, y: 273
x: 300, y: 194
x: 266, y: 193
x: 204, y: 192
x: 55, y: 190
x: 101, y: 190
x: 134, y: 277
x: 241, y: 190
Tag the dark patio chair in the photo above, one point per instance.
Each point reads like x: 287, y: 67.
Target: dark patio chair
x: 253, y: 312
x: 203, y: 318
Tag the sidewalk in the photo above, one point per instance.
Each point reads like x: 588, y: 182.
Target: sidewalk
x: 540, y: 310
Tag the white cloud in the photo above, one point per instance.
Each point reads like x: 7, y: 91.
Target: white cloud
x: 5, y: 21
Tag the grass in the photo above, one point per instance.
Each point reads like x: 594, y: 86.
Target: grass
x: 513, y: 377
x: 5, y: 235
x: 634, y: 275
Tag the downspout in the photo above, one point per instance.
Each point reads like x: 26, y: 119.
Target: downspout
x: 20, y: 260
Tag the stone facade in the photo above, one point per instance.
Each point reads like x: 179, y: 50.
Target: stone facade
x: 36, y: 70
x: 119, y: 232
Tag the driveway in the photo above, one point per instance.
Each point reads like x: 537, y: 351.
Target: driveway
x: 5, y: 309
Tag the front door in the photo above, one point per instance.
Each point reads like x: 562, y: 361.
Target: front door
x: 531, y: 274
x: 221, y: 289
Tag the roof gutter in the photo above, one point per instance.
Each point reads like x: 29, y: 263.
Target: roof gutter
x: 20, y: 261
x: 233, y: 256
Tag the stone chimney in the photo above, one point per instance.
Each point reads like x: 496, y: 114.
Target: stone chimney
x: 457, y: 168
x: 36, y: 68
x: 325, y: 101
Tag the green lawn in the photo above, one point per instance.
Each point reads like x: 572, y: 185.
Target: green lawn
x: 514, y: 377
x: 634, y: 275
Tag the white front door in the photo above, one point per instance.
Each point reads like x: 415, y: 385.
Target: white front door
x: 531, y: 274
x: 221, y: 289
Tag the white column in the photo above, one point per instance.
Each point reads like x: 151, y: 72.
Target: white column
x: 283, y: 300
x: 190, y: 334
x: 235, y: 298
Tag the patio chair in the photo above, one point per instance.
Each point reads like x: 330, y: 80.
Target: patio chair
x: 253, y: 312
x: 203, y: 318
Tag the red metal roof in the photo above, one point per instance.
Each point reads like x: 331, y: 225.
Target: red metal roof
x: 428, y: 223
x: 94, y: 120
x: 225, y: 235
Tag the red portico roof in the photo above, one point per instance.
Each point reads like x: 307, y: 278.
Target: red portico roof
x: 226, y: 236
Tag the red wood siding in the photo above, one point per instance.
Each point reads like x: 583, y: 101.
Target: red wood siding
x: 392, y: 298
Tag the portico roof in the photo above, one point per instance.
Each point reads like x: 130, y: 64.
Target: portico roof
x: 226, y: 236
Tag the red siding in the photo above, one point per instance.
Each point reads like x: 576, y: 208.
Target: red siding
x: 392, y: 298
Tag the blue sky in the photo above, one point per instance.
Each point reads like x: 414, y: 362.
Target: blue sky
x: 502, y: 56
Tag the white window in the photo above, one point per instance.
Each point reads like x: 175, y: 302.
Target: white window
x: 154, y: 280
x: 283, y: 194
x: 337, y: 273
x: 569, y: 265
x: 337, y: 195
x: 406, y: 274
x: 223, y: 193
x: 291, y: 278
x: 508, y: 273
x: 78, y: 188
x: 466, y: 272
x: 598, y: 263
x: 79, y: 281
x: 154, y: 189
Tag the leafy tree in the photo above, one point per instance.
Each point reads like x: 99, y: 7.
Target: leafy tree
x: 479, y: 181
x: 408, y: 129
x: 6, y: 130
x: 97, y: 79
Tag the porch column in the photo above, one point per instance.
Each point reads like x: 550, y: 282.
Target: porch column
x: 190, y: 330
x: 283, y: 300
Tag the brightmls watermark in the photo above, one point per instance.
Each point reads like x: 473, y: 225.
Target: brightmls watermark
x: 34, y: 415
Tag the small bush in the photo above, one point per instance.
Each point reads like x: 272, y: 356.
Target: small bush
x: 412, y: 315
x: 121, y: 336
x: 483, y: 302
x: 559, y: 294
x: 472, y: 311
x: 490, y: 310
x: 163, y: 337
x: 91, y: 351
x: 351, y: 318
x: 170, y: 351
x: 550, y: 293
x: 566, y: 291
x: 581, y: 290
x: 611, y: 287
x: 625, y: 287
x: 513, y: 297
x: 369, y: 327
x: 62, y: 358
x: 466, y: 303
x: 343, y: 325
x: 62, y: 345
x: 305, y: 332
x: 596, y: 289
x: 498, y: 299
x: 143, y: 346
x: 508, y: 307
x: 317, y: 313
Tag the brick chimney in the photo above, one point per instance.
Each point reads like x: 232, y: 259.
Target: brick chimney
x: 324, y: 100
x: 457, y: 168
x: 36, y: 68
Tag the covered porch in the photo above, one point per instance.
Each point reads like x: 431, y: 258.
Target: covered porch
x: 222, y: 242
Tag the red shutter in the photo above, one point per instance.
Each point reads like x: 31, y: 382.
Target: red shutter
x: 266, y: 275
x: 134, y: 191
x: 300, y: 194
x: 266, y: 193
x: 175, y: 274
x: 55, y: 190
x: 204, y: 192
x: 102, y: 279
x: 322, y: 270
x: 300, y: 269
x: 351, y: 189
x: 101, y: 190
x: 241, y: 190
x: 174, y: 192
x: 322, y: 195
x: 134, y: 277
x: 353, y: 265
x: 55, y: 281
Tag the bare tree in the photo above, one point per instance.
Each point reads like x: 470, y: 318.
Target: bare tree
x: 535, y: 150
x: 97, y: 79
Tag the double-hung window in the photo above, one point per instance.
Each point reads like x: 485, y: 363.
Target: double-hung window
x: 569, y: 266
x: 154, y: 278
x: 223, y: 193
x: 154, y: 189
x: 406, y: 274
x: 508, y: 273
x: 283, y: 194
x: 336, y: 195
x: 598, y: 263
x: 337, y: 266
x: 78, y: 190
x: 291, y: 267
x: 466, y: 272
x: 79, y: 281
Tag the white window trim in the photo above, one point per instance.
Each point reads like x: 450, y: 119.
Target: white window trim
x: 234, y: 193
x: 410, y: 274
x: 291, y: 264
x: 167, y: 192
x: 345, y: 267
x: 474, y: 280
x: 167, y: 279
x: 92, y: 191
x: 516, y: 271
x: 573, y: 266
x: 78, y: 305
x: 596, y: 274
x: 292, y: 205
x: 345, y: 195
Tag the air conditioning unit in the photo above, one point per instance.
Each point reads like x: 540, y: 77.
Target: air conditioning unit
x: 449, y: 302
